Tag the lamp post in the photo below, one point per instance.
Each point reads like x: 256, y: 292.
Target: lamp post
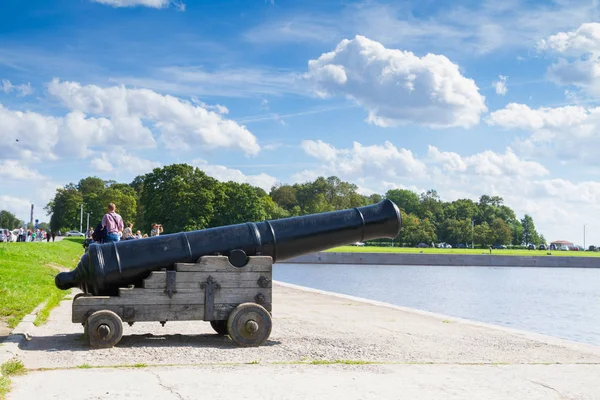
x: 472, y: 235
x: 81, y: 219
x: 88, y: 222
x: 584, y: 225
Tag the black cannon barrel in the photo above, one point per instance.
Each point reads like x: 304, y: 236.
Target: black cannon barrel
x: 106, y: 267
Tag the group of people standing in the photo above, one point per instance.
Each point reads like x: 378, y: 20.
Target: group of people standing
x: 114, y: 230
x: 36, y: 235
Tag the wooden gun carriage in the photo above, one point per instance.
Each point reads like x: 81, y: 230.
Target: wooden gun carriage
x: 235, y: 300
x: 222, y: 275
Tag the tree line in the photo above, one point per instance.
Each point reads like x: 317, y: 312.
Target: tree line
x: 182, y: 198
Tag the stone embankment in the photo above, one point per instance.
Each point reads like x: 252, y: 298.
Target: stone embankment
x: 474, y: 260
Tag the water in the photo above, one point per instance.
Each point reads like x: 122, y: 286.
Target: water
x: 562, y: 302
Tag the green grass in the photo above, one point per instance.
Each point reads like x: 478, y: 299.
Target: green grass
x: 498, y: 252
x: 12, y: 367
x: 26, y: 279
x: 9, y: 368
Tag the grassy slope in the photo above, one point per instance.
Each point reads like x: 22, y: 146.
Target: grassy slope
x: 26, y: 279
x: 414, y: 250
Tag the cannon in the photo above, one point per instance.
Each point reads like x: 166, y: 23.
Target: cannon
x: 221, y: 275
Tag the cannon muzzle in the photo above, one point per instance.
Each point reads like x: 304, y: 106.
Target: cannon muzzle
x: 106, y: 267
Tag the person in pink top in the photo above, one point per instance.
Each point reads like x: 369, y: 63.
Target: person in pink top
x: 113, y: 223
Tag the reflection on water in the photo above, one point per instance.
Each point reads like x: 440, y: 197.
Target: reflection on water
x: 563, y: 302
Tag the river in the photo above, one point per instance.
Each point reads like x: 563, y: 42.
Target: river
x: 562, y: 302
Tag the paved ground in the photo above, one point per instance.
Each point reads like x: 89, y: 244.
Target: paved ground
x: 423, y: 356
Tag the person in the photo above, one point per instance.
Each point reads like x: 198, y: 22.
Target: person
x: 90, y: 232
x: 157, y: 229
x: 138, y: 235
x: 47, y: 236
x: 53, y: 235
x: 113, y: 223
x: 128, y: 232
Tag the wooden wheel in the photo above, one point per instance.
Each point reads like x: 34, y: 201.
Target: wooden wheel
x: 219, y: 326
x: 249, y: 324
x: 104, y: 329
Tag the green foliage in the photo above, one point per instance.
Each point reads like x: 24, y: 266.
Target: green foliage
x: 405, y: 200
x: 182, y: 198
x: 12, y: 367
x: 8, y: 220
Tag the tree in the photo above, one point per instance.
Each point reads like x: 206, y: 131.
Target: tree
x: 272, y: 209
x: 432, y: 207
x: 455, y: 231
x: 529, y: 233
x: 285, y: 196
x: 181, y: 198
x: 405, y: 200
x: 65, y: 208
x: 501, y: 233
x: 240, y: 204
x: 8, y: 220
x: 483, y: 234
x: 461, y: 209
x: 415, y: 231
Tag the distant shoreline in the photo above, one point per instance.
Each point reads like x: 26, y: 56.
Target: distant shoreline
x: 472, y: 260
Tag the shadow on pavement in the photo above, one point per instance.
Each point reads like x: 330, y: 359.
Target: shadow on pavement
x: 78, y: 342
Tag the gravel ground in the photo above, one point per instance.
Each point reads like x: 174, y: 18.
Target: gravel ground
x: 421, y: 356
x: 307, y: 325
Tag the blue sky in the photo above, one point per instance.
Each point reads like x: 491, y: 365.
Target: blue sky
x: 466, y: 97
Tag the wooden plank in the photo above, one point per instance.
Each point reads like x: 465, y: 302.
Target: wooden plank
x: 183, y: 296
x: 189, y: 280
x: 221, y: 263
x: 161, y: 312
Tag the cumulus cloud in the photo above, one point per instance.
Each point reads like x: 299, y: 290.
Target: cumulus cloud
x: 181, y: 124
x: 500, y: 85
x: 16, y: 170
x: 22, y: 90
x: 119, y: 160
x: 362, y: 164
x: 144, y: 3
x: 487, y: 163
x: 226, y: 174
x: 581, y: 65
x: 568, y: 133
x: 397, y: 87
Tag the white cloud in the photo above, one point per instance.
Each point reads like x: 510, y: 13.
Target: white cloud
x: 568, y: 133
x: 487, y: 163
x: 397, y: 87
x: 27, y: 135
x: 19, y: 206
x: 16, y: 170
x: 117, y: 159
x: 182, y: 125
x: 144, y: 3
x: 362, y: 164
x: 581, y: 68
x: 585, y: 39
x: 226, y: 174
x: 500, y: 85
x: 22, y: 90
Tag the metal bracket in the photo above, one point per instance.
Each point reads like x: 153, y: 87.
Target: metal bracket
x: 263, y: 281
x: 171, y: 283
x: 210, y: 286
x: 260, y: 298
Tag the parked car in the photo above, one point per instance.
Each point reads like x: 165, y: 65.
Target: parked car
x: 499, y: 246
x: 564, y: 247
x: 461, y: 246
x: 358, y: 244
x: 542, y: 247
x: 75, y: 233
x: 448, y: 246
x: 3, y: 235
x: 422, y: 245
x: 531, y: 246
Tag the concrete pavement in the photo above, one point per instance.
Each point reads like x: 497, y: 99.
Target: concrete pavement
x: 421, y: 355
